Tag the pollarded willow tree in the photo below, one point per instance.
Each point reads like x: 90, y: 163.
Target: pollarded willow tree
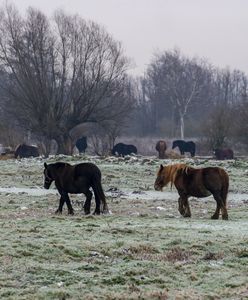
x: 61, y: 73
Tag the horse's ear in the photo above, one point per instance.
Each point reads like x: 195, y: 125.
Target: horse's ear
x: 161, y: 167
x: 45, y: 165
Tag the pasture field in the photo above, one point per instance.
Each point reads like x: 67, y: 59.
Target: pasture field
x: 143, y: 250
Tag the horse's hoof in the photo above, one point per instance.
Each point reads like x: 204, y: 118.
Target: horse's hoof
x: 105, y: 212
x: 58, y: 212
x: 71, y: 212
x: 215, y: 217
x: 96, y: 212
x: 225, y: 217
x: 182, y: 212
x: 187, y: 215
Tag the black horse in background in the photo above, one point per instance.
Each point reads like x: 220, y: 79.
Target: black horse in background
x: 76, y: 179
x: 24, y: 151
x: 81, y: 144
x: 184, y: 147
x: 123, y: 149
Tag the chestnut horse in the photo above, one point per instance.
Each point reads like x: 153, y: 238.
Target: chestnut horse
x: 76, y: 179
x: 197, y: 183
x: 161, y: 148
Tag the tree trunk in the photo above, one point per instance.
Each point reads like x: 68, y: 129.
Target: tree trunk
x: 182, y: 126
x: 64, y: 144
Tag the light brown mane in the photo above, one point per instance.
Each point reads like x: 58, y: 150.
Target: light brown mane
x: 172, y: 170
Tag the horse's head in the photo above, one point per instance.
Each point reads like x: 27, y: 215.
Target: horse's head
x: 48, y: 178
x: 162, y: 179
x: 168, y: 174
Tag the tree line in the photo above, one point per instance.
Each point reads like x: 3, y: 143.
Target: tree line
x: 187, y: 97
x: 59, y: 73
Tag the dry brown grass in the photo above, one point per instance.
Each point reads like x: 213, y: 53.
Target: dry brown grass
x: 178, y: 254
x: 7, y: 156
x: 173, y: 155
x: 148, y: 252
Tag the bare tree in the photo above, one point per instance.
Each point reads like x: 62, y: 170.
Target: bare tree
x: 61, y: 73
x: 218, y: 127
x: 179, y: 80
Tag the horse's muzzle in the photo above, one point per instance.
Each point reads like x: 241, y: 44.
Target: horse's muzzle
x: 47, y: 184
x: 157, y: 187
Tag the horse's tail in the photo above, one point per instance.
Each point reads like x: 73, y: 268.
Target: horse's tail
x: 98, y: 192
x: 225, y: 185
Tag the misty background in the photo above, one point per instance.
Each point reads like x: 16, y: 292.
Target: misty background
x: 124, y: 70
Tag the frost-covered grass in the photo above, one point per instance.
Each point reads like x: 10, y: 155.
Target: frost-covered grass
x: 143, y: 250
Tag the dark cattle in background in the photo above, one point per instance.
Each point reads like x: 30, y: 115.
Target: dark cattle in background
x: 123, y: 149
x: 24, y: 151
x: 161, y: 148
x: 222, y: 154
x: 184, y: 147
x: 81, y: 144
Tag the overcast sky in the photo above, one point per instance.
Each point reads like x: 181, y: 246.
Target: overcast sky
x: 213, y: 29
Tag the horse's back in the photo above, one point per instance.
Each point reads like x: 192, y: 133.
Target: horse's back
x: 222, y: 154
x: 86, y: 169
x: 124, y: 149
x: 203, y: 181
x: 215, y: 177
x: 25, y: 151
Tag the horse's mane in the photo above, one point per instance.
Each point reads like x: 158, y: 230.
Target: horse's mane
x: 172, y: 171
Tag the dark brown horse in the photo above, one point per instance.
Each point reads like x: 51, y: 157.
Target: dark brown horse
x: 161, y: 148
x: 222, y: 154
x: 197, y: 183
x: 76, y: 179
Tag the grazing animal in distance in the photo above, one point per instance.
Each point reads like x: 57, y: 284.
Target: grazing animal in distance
x: 76, y: 179
x: 123, y: 149
x: 81, y: 144
x: 184, y: 147
x: 197, y: 183
x: 222, y: 154
x: 161, y: 148
x: 25, y: 151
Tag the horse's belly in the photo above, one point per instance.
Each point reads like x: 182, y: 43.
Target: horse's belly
x: 200, y: 192
x: 75, y: 190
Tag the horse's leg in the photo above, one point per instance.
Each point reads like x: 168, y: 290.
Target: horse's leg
x: 61, y: 204
x: 98, y: 205
x: 104, y: 207
x: 220, y: 205
x: 185, y: 203
x: 216, y: 214
x: 181, y: 208
x: 68, y: 203
x: 87, y: 203
x: 224, y: 213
